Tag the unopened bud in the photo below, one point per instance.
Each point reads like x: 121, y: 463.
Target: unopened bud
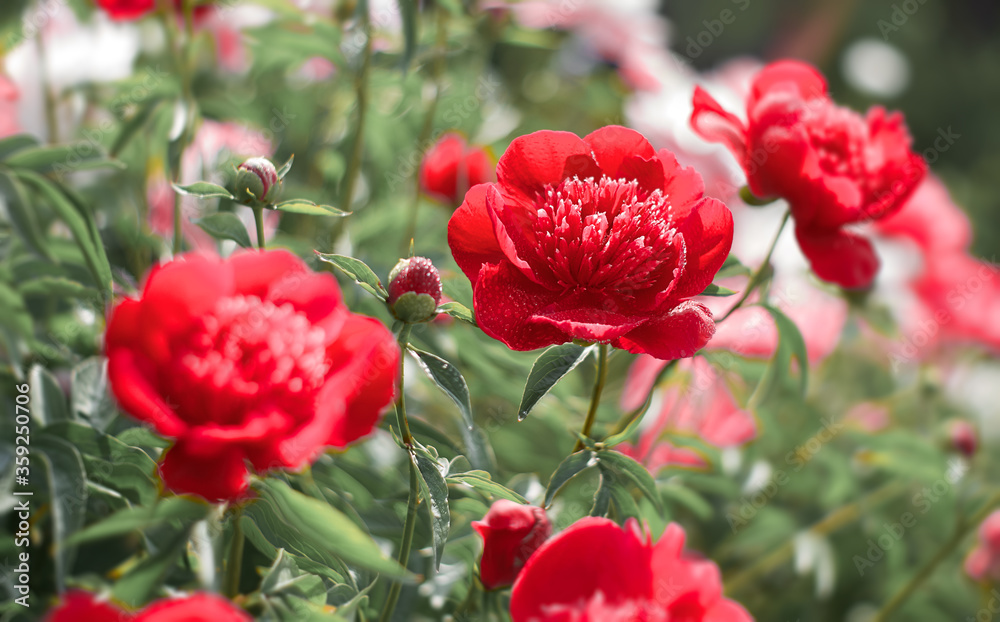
x: 414, y: 290
x: 257, y: 182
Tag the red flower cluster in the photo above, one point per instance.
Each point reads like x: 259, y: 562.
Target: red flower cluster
x: 597, y: 571
x: 833, y: 166
x: 600, y: 239
x: 511, y: 532
x: 253, y: 358
x: 84, y: 607
x: 134, y: 9
x: 451, y: 167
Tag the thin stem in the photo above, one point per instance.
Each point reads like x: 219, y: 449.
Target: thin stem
x: 832, y: 522
x: 962, y: 529
x: 51, y: 114
x: 357, y: 148
x: 258, y: 216
x: 401, y: 420
x: 406, y: 544
x: 595, y: 397
x: 235, y: 562
x: 758, y: 276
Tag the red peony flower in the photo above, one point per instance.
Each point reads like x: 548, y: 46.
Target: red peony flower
x: 601, y: 239
x: 451, y: 167
x: 252, y: 358
x: 84, y: 607
x: 511, y: 532
x: 134, y: 9
x: 833, y: 166
x: 596, y: 571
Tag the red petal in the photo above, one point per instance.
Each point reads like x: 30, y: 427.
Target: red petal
x: 315, y: 295
x: 615, y: 146
x: 710, y: 121
x: 129, y: 375
x: 178, y: 293
x: 684, y: 186
x: 194, y: 608
x: 77, y: 606
x: 255, y: 272
x: 366, y: 380
x: 593, y: 555
x: 470, y: 234
x: 679, y: 334
x: 708, y: 236
x: 839, y: 256
x: 513, y: 230
x: 533, y: 161
x: 505, y: 302
x: 588, y: 323
x: 216, y: 476
x: 805, y: 79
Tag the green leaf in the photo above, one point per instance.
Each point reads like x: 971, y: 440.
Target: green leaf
x: 751, y: 199
x: 143, y: 581
x: 15, y: 143
x: 689, y: 499
x: 225, y: 226
x: 602, y: 498
x: 305, y: 518
x: 790, y: 343
x: 131, y: 519
x: 287, y: 166
x: 408, y: 10
x: 716, y: 290
x: 90, y: 396
x: 141, y: 436
x: 732, y: 267
x: 615, y: 466
x: 573, y: 465
x: 261, y: 526
x: 62, y: 159
x: 67, y: 484
x: 81, y: 224
x: 132, y: 126
x: 434, y: 490
x: 357, y: 270
x: 22, y: 216
x: 203, y: 189
x: 458, y: 311
x: 548, y: 369
x: 57, y: 287
x: 48, y: 404
x: 447, y: 378
x: 482, y: 482
x: 301, y: 206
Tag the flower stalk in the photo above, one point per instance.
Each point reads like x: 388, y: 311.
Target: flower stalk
x: 758, y: 277
x: 595, y: 397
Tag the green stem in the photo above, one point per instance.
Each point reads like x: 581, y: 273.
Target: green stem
x: 407, y: 543
x: 258, y: 216
x: 758, y: 276
x: 235, y: 562
x: 595, y: 397
x: 962, y: 529
x: 832, y: 522
x: 401, y: 420
x: 357, y: 148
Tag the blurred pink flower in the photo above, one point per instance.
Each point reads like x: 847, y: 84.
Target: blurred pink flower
x: 9, y: 98
x: 868, y: 416
x: 983, y: 563
x: 700, y: 404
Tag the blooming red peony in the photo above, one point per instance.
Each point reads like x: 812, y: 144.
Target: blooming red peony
x: 511, y: 532
x: 451, y: 167
x: 833, y: 166
x: 252, y: 358
x: 84, y: 607
x: 600, y: 239
x: 597, y: 571
x: 134, y: 9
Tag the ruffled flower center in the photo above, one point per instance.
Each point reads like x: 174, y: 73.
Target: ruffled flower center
x: 248, y: 354
x: 605, y: 234
x: 840, y: 137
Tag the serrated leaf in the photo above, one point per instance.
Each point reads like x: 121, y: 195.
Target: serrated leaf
x: 305, y: 518
x: 203, y: 189
x: 573, y: 465
x: 138, y: 518
x: 225, y: 226
x: 616, y: 466
x: 22, y: 216
x: 300, y: 206
x: 459, y: 311
x: 548, y: 369
x: 482, y: 482
x: 434, y: 490
x: 357, y: 270
x: 716, y: 290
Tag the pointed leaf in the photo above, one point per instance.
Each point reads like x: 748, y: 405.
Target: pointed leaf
x: 48, y: 403
x: 18, y: 142
x: 61, y: 159
x: 459, y: 311
x: 225, y: 226
x: 716, y: 290
x: 287, y: 166
x: 434, y: 490
x: 203, y: 189
x: 301, y: 206
x: 136, y: 518
x: 548, y: 369
x: 357, y: 270
x: 67, y: 484
x: 22, y: 216
x: 616, y: 466
x: 482, y: 482
x: 573, y: 465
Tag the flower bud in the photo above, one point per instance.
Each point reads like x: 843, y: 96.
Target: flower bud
x: 511, y: 533
x: 962, y: 437
x: 414, y: 290
x: 257, y: 182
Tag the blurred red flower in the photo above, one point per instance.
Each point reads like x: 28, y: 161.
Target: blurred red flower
x: 252, y: 358
x: 596, y: 570
x: 600, y: 239
x: 134, y: 9
x: 511, y: 532
x: 451, y: 167
x: 833, y: 166
x: 983, y: 563
x: 79, y: 606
